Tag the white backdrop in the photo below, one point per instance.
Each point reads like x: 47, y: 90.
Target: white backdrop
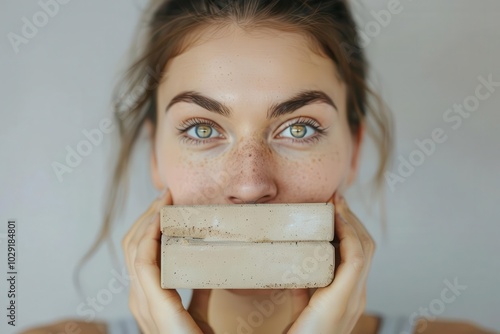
x: 442, y: 220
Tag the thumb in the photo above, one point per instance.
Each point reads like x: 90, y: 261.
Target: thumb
x: 338, y: 202
x: 198, y: 308
x: 300, y: 299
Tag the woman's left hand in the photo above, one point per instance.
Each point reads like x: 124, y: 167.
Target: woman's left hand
x: 336, y: 308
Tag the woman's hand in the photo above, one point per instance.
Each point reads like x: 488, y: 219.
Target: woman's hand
x: 335, y: 309
x: 158, y: 310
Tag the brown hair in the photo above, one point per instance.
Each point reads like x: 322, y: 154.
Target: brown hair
x: 174, y: 26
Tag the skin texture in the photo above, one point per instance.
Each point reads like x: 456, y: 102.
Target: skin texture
x: 249, y: 161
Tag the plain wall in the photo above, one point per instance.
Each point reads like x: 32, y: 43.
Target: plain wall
x: 442, y: 222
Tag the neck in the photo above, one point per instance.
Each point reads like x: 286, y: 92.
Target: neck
x: 233, y: 313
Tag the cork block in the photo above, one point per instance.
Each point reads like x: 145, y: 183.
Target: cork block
x: 248, y: 246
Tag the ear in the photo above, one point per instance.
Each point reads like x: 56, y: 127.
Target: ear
x: 356, y: 153
x: 155, y: 173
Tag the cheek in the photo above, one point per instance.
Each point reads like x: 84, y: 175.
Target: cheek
x: 193, y: 181
x: 314, y: 179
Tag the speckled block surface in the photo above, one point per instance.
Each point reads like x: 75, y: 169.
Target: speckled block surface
x: 250, y: 222
x: 194, y: 264
x: 261, y: 246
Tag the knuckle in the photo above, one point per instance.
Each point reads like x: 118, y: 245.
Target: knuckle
x: 370, y: 246
x: 140, y: 263
x: 358, y: 263
x: 130, y: 247
x: 127, y: 241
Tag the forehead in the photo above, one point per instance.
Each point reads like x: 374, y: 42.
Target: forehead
x: 234, y: 65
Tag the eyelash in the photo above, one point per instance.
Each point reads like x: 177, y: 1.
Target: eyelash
x: 320, y: 132
x: 188, y: 124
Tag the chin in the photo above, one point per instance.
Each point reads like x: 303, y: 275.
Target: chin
x: 253, y: 292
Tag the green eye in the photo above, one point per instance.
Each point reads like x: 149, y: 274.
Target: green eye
x: 302, y: 130
x: 298, y: 130
x: 203, y: 131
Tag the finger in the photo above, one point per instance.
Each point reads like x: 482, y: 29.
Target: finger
x: 300, y: 300
x: 165, y: 304
x: 350, y: 268
x: 131, y: 251
x: 335, y: 242
x: 365, y: 238
x: 138, y: 303
x: 138, y: 309
x: 199, y: 303
x: 164, y: 199
x: 342, y: 208
x: 198, y: 308
x: 138, y: 222
x: 368, y: 245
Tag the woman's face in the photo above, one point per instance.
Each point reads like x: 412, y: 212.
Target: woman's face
x: 252, y: 118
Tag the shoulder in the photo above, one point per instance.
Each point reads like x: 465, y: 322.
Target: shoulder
x: 69, y: 326
x: 384, y: 324
x: 448, y: 326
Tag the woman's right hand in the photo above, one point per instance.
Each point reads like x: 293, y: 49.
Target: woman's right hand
x: 158, y: 310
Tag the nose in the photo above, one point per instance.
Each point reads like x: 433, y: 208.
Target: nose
x: 251, y: 175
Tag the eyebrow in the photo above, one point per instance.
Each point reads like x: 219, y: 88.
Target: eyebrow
x: 276, y: 110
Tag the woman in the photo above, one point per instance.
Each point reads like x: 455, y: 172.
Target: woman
x: 252, y: 102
